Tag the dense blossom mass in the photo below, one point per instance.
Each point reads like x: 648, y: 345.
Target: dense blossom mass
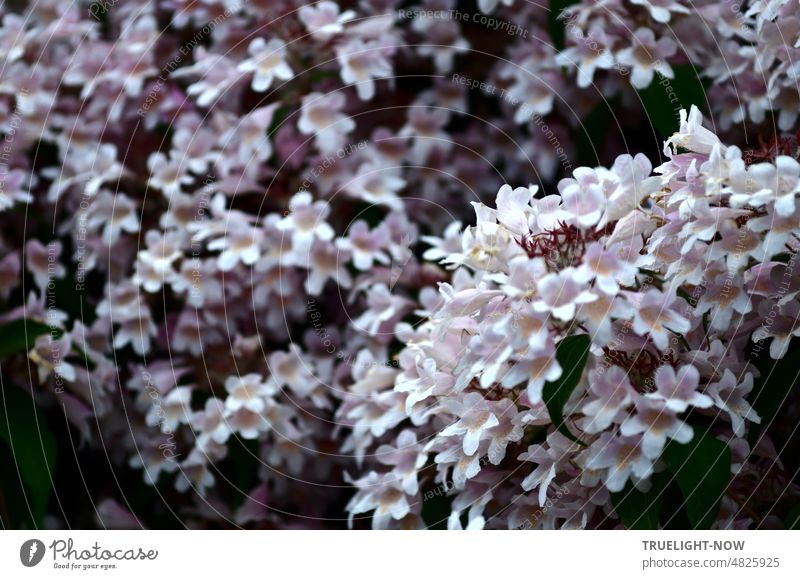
x: 309, y: 265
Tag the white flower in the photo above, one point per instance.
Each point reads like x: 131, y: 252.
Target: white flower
x: 136, y: 330
x: 323, y: 20
x: 381, y: 493
x: 509, y: 430
x: 218, y: 76
x: 443, y: 41
x: 292, y: 370
x: 320, y: 115
x: 561, y: 293
x: 362, y: 62
x: 535, y: 368
x: 661, y: 10
x: 167, y: 174
x: 611, y: 394
x: 211, y: 422
x: 195, y: 474
x: 115, y: 213
x: 240, y: 244
x: 588, y: 53
x: 679, y: 390
x: 406, y: 459
x: 514, y: 207
x: 606, y: 269
x: 692, y: 135
x: 583, y: 198
x: 548, y: 457
x: 248, y: 138
x: 730, y: 396
x: 657, y: 423
x: 724, y: 295
x: 267, y: 61
x: 780, y: 324
x: 648, y: 56
x: 426, y: 126
x: 155, y: 265
x: 248, y: 423
x: 305, y: 223
x: 365, y: 246
x: 377, y: 184
x: 622, y: 458
x: 14, y: 187
x: 154, y: 461
x: 326, y: 262
x: 535, y: 95
x: 173, y: 410
x: 43, y: 261
x: 779, y: 182
x: 246, y: 392
x: 474, y: 417
x: 655, y: 316
x: 382, y: 307
x: 49, y: 355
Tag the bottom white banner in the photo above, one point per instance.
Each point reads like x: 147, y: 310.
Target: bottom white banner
x: 407, y: 554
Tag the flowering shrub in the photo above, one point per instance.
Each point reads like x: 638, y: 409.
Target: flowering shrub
x: 597, y: 334
x: 242, y: 283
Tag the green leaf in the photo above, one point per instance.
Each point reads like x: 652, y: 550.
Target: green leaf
x: 20, y: 335
x: 594, y: 132
x: 772, y: 389
x: 571, y: 354
x: 665, y: 97
x: 702, y: 469
x: 638, y: 510
x: 792, y: 522
x: 557, y: 26
x: 436, y: 508
x: 33, y: 448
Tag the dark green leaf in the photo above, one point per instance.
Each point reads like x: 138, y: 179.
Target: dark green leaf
x: 792, y: 522
x: 571, y: 354
x: 639, y: 510
x: 557, y: 25
x: 20, y: 336
x: 665, y: 97
x: 772, y: 389
x: 241, y: 466
x: 593, y: 133
x: 32, y: 445
x: 436, y: 508
x: 702, y: 469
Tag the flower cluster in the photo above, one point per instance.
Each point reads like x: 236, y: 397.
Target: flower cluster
x: 665, y: 278
x: 237, y: 253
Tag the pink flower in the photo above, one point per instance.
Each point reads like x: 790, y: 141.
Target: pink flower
x: 361, y: 63
x: 611, y: 394
x: 621, y: 458
x: 561, y: 293
x: 366, y: 247
x: 267, y: 62
x: 323, y: 19
x: 657, y: 423
x: 320, y: 115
